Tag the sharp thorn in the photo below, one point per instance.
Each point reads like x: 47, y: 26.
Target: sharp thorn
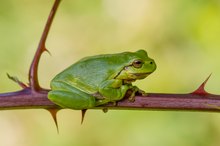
x: 16, y: 80
x: 83, y: 115
x: 53, y: 113
x: 201, y: 89
x: 47, y: 51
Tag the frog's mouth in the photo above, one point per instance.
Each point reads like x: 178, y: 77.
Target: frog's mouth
x: 141, y: 74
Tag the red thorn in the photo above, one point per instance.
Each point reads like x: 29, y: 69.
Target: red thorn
x: 53, y: 113
x: 201, y: 89
x: 47, y: 51
x: 16, y: 80
x: 83, y: 115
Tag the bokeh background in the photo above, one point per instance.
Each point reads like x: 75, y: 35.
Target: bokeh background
x: 182, y: 36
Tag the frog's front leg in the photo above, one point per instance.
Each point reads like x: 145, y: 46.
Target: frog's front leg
x: 113, y: 90
x: 68, y: 96
x: 133, y: 91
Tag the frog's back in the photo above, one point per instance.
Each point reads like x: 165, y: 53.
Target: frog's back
x: 88, y: 73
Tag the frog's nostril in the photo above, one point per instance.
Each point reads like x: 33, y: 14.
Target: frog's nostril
x: 151, y: 62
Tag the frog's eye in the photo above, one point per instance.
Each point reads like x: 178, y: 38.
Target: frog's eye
x: 137, y: 63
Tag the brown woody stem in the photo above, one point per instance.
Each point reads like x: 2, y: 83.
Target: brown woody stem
x: 33, y: 72
x: 34, y: 97
x: 25, y: 99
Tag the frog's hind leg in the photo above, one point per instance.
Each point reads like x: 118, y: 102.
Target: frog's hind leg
x: 67, y: 96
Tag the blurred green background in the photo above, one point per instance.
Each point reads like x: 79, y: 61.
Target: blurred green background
x: 182, y: 36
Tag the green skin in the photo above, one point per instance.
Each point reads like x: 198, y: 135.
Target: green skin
x: 97, y: 80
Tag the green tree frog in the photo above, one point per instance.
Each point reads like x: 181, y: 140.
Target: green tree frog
x: 100, y: 79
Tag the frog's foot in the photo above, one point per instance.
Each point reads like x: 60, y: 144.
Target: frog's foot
x: 135, y: 91
x: 102, y: 101
x: 98, y: 96
x: 141, y: 92
x: 131, y: 97
x: 105, y: 110
x: 114, y: 103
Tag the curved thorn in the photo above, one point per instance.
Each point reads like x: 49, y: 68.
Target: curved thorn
x: 201, y: 89
x: 16, y: 80
x: 53, y: 113
x: 33, y: 71
x: 47, y: 51
x: 83, y: 115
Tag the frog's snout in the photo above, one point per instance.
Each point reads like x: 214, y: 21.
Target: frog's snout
x: 152, y: 64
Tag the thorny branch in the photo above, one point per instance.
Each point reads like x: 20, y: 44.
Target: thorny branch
x: 33, y: 96
x: 198, y: 100
x: 33, y: 72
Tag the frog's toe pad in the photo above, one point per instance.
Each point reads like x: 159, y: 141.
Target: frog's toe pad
x: 131, y: 99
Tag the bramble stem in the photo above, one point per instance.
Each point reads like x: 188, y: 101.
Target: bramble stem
x: 35, y: 97
x: 189, y: 102
x: 33, y: 72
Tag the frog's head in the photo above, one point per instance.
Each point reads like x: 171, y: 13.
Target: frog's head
x: 139, y: 66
